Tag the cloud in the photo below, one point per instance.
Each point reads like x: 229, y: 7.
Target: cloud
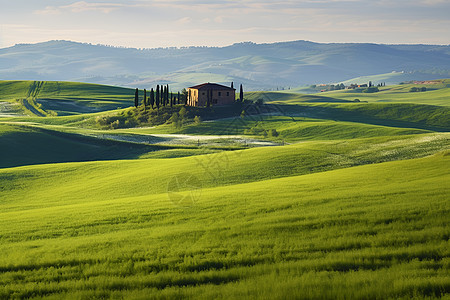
x: 185, y: 20
x: 434, y: 2
x: 81, y: 6
x: 49, y: 10
x: 220, y: 22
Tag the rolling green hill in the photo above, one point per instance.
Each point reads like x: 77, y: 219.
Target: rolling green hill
x: 24, y: 145
x: 290, y: 129
x: 226, y: 168
x: 351, y: 203
x: 67, y: 98
x: 438, y: 93
x: 109, y: 229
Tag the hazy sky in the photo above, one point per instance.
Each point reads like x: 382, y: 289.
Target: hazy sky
x: 163, y: 23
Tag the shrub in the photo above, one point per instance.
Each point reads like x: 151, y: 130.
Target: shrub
x: 101, y: 121
x: 182, y: 112
x: 372, y: 89
x: 418, y: 89
x: 115, y: 124
x: 197, y: 119
x: 273, y: 133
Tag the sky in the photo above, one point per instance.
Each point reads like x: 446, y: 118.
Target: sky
x: 177, y: 23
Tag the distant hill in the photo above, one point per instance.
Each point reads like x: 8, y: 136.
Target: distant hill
x: 64, y: 98
x: 257, y: 66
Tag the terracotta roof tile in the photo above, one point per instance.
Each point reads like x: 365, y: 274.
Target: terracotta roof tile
x: 211, y: 86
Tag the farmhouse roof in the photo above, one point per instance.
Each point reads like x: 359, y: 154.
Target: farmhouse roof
x: 211, y: 86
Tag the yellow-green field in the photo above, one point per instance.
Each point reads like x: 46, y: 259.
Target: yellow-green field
x: 352, y: 203
x: 438, y: 93
x: 111, y: 230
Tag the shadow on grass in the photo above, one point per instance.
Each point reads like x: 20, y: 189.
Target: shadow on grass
x: 39, y: 146
x: 428, y: 117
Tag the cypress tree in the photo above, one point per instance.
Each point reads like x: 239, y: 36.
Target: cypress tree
x: 136, y: 98
x: 232, y: 85
x: 152, y: 98
x: 241, y: 94
x: 168, y: 94
x: 157, y: 96
x: 184, y: 97
x: 179, y: 100
x: 163, y: 95
x: 145, y: 98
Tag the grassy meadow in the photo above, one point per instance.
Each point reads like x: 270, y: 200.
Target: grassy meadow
x: 437, y: 93
x: 66, y: 98
x: 369, y: 231
x: 349, y: 201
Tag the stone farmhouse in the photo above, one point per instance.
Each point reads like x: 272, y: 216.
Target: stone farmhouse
x: 215, y: 94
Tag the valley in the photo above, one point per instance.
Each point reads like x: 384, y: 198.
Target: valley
x: 283, y: 195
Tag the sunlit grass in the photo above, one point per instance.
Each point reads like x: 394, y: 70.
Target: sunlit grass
x: 369, y: 231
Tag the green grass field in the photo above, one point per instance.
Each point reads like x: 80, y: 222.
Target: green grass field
x: 437, y: 93
x: 25, y: 145
x: 370, y: 231
x: 68, y: 98
x: 353, y: 203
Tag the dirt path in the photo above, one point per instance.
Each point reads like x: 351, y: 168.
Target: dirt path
x: 29, y: 107
x: 186, y: 139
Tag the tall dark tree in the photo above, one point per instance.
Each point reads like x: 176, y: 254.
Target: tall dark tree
x: 179, y: 100
x: 136, y: 98
x: 241, y: 94
x: 232, y: 85
x: 166, y: 98
x: 163, y: 95
x: 157, y: 96
x: 185, y: 96
x: 152, y: 98
x: 168, y: 94
x: 145, y: 98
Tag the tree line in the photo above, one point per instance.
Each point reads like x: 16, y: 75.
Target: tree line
x: 161, y: 96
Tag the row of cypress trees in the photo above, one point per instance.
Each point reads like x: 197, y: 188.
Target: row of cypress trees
x: 162, y: 97
x: 241, y: 93
x: 157, y: 98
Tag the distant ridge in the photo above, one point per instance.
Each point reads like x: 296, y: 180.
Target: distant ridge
x: 257, y: 66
